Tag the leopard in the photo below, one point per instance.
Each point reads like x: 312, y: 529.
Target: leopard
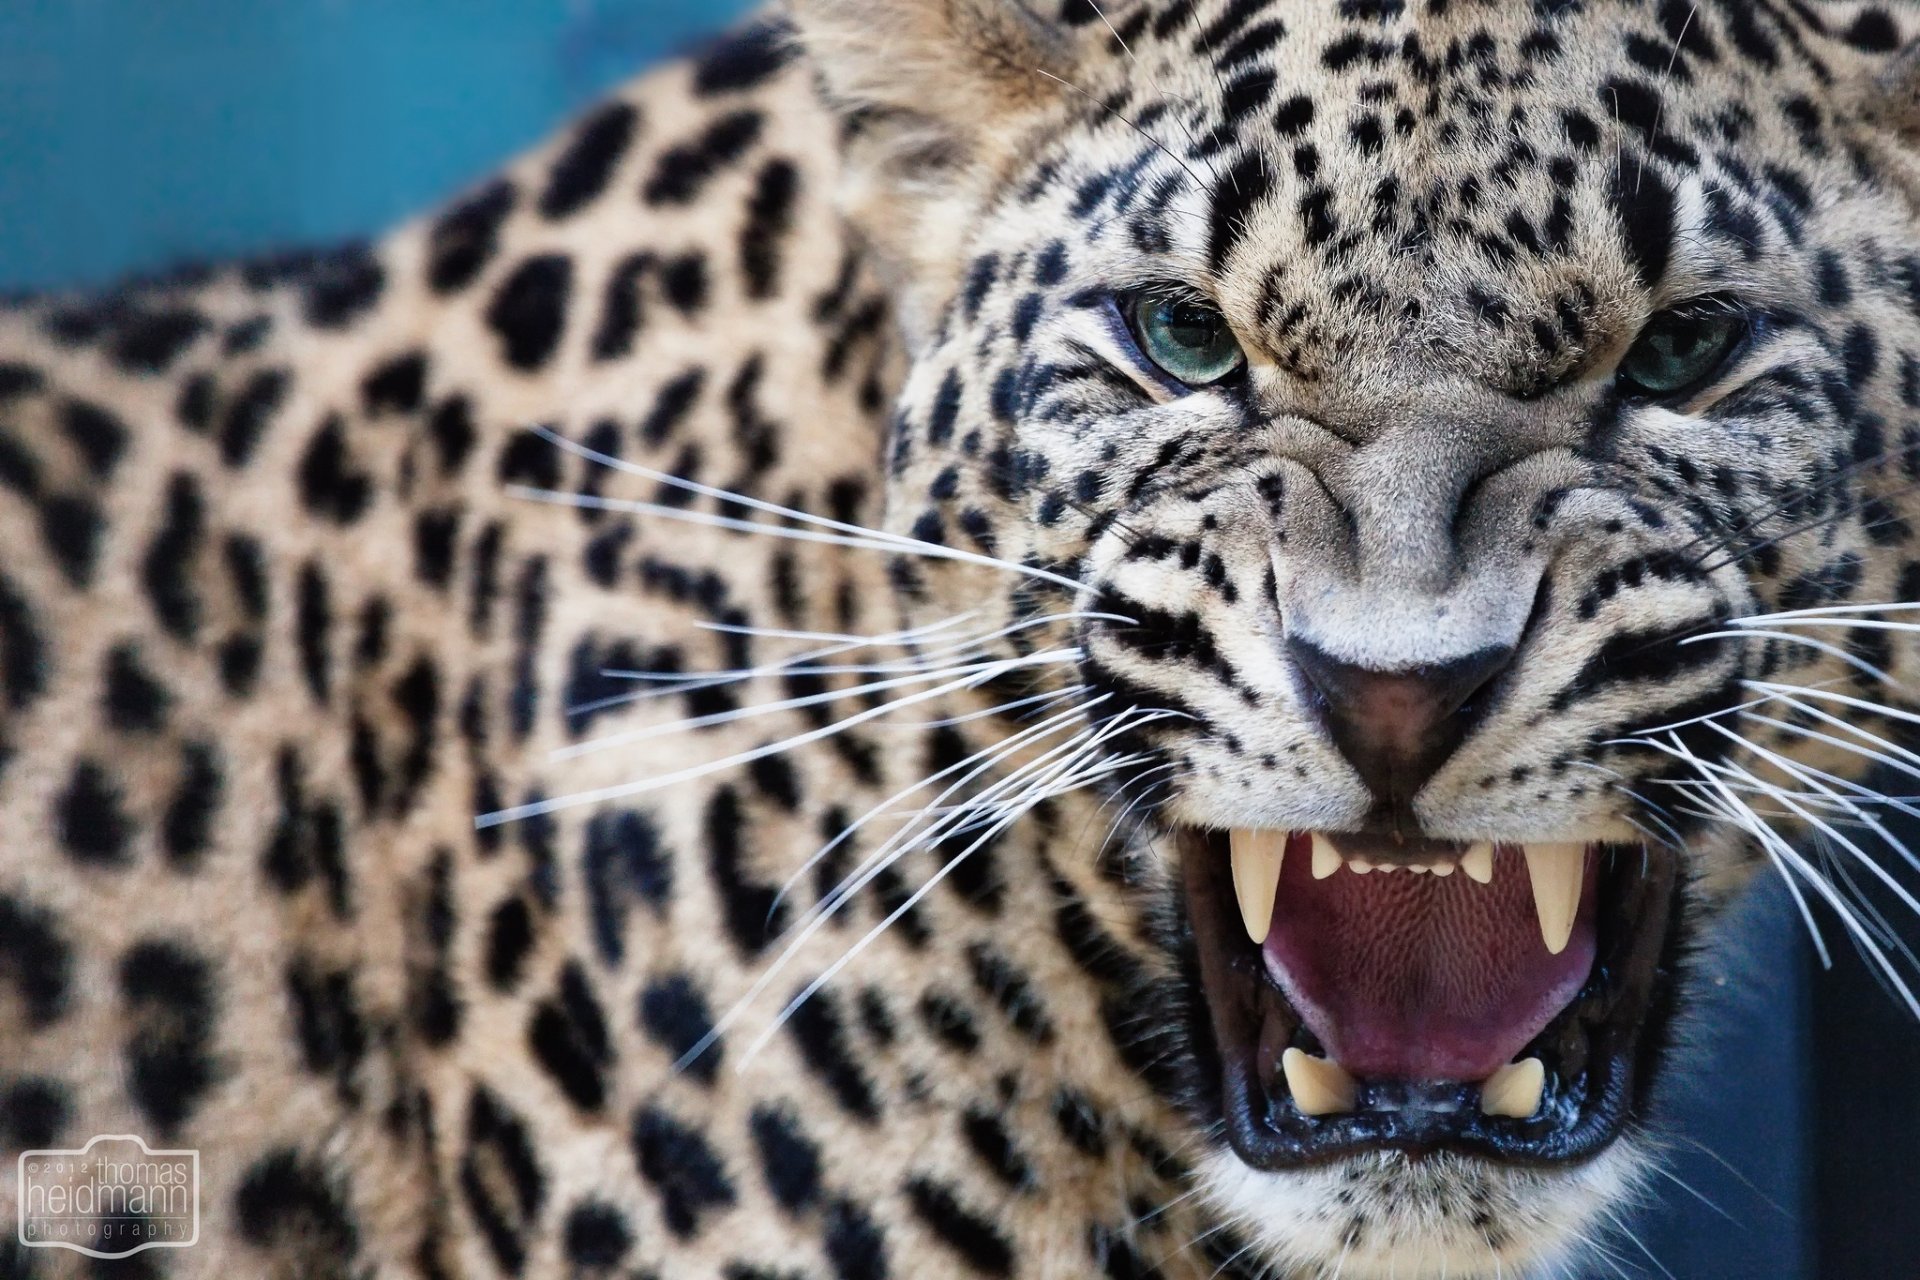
x: 963, y: 638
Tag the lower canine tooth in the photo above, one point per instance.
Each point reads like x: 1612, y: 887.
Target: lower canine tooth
x: 1477, y: 862
x: 1320, y: 1086
x: 1514, y: 1090
x: 1256, y: 876
x: 1556, y: 871
x: 1326, y: 858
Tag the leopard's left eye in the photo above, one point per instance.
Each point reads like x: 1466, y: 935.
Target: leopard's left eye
x: 1189, y: 340
x: 1680, y: 350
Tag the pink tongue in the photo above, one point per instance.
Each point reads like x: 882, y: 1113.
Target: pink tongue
x: 1421, y: 977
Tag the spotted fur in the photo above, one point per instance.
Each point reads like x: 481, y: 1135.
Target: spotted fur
x: 311, y: 561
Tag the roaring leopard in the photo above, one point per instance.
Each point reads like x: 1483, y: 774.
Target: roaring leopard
x: 961, y: 638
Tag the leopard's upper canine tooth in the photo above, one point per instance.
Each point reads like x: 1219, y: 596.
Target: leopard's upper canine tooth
x: 1514, y: 1090
x: 1556, y: 871
x: 1256, y: 876
x: 1320, y: 1086
x: 1477, y: 862
x: 1326, y: 858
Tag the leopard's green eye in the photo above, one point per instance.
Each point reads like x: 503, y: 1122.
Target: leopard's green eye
x: 1680, y: 349
x: 1190, y: 341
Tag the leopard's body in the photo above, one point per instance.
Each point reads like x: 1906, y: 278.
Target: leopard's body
x: 283, y: 609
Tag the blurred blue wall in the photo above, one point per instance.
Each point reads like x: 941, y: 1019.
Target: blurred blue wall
x: 139, y: 133
x: 135, y: 134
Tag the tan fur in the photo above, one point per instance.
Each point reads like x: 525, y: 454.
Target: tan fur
x: 1018, y: 1044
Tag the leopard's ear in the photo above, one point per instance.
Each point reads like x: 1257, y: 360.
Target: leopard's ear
x: 1894, y: 100
x: 1879, y: 108
x: 939, y: 97
x: 960, y: 65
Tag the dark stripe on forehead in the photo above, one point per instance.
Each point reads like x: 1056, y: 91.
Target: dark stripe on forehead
x: 1643, y: 203
x: 1242, y: 188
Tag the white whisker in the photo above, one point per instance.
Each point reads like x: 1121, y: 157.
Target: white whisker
x: 662, y: 781
x: 982, y: 760
x: 1828, y: 695
x: 875, y: 864
x: 645, y: 733
x: 1732, y: 810
x: 1077, y: 748
x: 1872, y: 864
x: 837, y: 637
x: 879, y: 539
x: 1831, y: 610
x: 1820, y: 885
x: 1037, y: 700
x: 1831, y: 650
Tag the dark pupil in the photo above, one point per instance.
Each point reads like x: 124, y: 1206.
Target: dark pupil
x: 1192, y: 327
x: 1680, y: 344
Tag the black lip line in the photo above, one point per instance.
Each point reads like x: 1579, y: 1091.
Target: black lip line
x: 1632, y: 985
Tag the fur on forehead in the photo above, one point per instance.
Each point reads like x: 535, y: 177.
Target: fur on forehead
x: 946, y: 97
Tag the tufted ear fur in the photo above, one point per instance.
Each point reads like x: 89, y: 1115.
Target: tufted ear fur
x: 939, y: 96
x: 1894, y: 101
x: 1887, y: 103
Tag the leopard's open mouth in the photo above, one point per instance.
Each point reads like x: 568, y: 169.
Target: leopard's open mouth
x: 1368, y: 993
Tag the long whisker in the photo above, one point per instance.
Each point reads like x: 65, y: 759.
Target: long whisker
x: 681, y: 683
x: 1839, y: 513
x: 1862, y: 794
x: 898, y: 541
x: 825, y: 910
x: 1833, y: 610
x: 871, y: 540
x: 1829, y: 695
x: 627, y: 737
x: 1003, y: 709
x: 1820, y: 885
x: 1831, y: 650
x: 1881, y: 751
x: 1154, y: 84
x: 980, y: 761
x: 659, y: 782
x: 1155, y: 142
x: 799, y: 939
x: 1872, y: 864
x: 1735, y: 812
x: 912, y: 900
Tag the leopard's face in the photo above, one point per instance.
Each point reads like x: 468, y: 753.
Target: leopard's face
x: 1438, y: 405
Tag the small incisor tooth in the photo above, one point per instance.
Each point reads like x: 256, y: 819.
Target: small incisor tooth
x: 1320, y: 1086
x: 1514, y: 1090
x: 1477, y: 862
x: 1256, y: 876
x: 1326, y: 858
x: 1556, y: 871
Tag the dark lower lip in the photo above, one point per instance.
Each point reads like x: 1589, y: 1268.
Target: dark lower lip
x: 1600, y: 1050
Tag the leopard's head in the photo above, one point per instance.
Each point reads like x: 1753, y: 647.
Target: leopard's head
x: 1475, y: 431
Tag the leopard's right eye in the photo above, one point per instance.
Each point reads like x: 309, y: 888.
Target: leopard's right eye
x: 1189, y: 341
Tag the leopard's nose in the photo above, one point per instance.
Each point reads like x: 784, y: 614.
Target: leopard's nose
x: 1397, y: 727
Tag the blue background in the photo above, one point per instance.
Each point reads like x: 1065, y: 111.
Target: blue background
x: 141, y: 133
x: 136, y: 134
